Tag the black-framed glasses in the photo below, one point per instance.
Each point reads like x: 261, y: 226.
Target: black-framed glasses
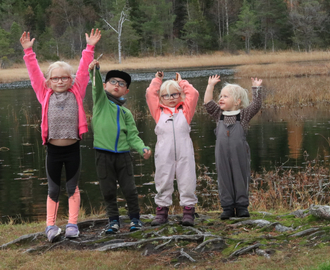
x: 56, y: 79
x: 120, y: 83
x: 174, y: 96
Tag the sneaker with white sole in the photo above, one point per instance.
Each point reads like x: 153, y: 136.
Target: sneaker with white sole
x: 53, y: 232
x: 112, y: 227
x: 71, y: 231
x: 135, y: 225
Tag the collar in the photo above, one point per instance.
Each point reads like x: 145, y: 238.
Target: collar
x: 119, y: 101
x: 229, y: 113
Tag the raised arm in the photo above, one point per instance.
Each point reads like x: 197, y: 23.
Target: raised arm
x: 153, y: 97
x: 213, y: 80
x: 256, y: 103
x: 191, y: 99
x: 36, y: 76
x: 82, y: 76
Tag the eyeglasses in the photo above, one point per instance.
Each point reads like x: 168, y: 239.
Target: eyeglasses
x: 56, y: 79
x: 120, y: 83
x: 174, y: 96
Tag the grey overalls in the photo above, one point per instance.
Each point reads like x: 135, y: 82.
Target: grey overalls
x: 232, y: 156
x: 174, y: 156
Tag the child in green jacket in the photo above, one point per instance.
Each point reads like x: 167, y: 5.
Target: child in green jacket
x: 115, y: 133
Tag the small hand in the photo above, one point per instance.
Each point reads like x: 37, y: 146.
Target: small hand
x: 178, y: 77
x: 94, y: 63
x: 213, y: 80
x: 146, y: 154
x: 256, y: 82
x: 26, y: 40
x: 159, y: 74
x: 94, y: 37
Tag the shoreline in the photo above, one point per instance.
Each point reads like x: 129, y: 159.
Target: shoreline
x: 18, y: 72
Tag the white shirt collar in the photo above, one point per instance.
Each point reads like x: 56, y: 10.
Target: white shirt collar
x: 229, y: 113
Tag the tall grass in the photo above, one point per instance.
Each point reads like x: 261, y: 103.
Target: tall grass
x: 18, y: 72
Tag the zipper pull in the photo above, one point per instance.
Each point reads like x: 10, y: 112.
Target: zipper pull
x: 228, y: 133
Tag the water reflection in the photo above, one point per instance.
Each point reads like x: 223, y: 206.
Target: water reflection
x: 277, y: 136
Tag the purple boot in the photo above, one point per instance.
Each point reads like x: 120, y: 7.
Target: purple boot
x: 188, y: 216
x: 161, y: 216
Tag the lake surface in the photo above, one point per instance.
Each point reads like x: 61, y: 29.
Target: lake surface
x: 277, y: 137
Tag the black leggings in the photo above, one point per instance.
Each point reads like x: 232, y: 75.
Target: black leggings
x: 57, y: 156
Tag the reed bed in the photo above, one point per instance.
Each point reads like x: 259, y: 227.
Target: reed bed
x: 18, y: 72
x: 278, y: 190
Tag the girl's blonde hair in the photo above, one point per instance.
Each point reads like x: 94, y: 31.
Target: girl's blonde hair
x: 237, y: 92
x: 166, y: 88
x: 59, y: 64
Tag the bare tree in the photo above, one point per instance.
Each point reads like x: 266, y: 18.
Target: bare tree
x: 122, y: 19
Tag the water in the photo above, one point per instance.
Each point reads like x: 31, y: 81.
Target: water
x: 277, y: 137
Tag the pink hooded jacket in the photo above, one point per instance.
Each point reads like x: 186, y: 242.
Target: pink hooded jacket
x: 188, y: 105
x: 43, y: 93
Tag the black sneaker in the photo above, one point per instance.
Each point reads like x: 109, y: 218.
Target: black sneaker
x: 112, y: 227
x: 136, y: 225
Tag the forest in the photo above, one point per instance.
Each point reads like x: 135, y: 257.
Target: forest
x: 162, y: 27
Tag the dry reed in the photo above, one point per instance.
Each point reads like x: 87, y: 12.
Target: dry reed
x: 18, y: 72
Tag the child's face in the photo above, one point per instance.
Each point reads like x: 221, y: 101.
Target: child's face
x: 60, y: 81
x: 170, y: 100
x: 116, y: 87
x: 227, y: 102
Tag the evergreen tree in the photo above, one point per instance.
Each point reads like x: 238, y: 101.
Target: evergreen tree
x: 308, y: 20
x: 246, y: 26
x: 273, y: 16
x: 5, y: 49
x: 196, y: 31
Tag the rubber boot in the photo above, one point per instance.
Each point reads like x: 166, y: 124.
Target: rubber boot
x: 242, y: 212
x: 188, y: 216
x: 161, y: 216
x: 227, y: 213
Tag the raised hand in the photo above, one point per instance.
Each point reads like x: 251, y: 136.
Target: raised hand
x: 159, y: 74
x: 94, y: 37
x: 94, y: 63
x: 26, y: 40
x: 213, y: 80
x: 256, y: 82
x: 146, y: 154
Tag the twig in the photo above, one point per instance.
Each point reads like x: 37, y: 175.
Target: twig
x: 95, y: 68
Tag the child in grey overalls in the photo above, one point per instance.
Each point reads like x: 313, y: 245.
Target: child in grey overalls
x: 232, y: 153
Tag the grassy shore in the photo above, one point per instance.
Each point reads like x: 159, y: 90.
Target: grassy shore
x: 264, y: 65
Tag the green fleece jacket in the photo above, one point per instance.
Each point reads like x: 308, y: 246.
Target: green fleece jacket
x: 113, y: 125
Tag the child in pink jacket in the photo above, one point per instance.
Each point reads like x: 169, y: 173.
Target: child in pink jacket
x: 63, y: 123
x: 172, y: 105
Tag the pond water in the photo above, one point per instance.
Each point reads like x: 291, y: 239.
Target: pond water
x: 277, y: 137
